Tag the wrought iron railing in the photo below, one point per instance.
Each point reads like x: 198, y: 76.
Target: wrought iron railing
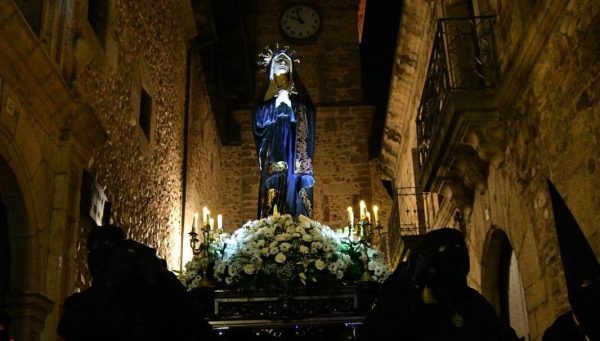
x: 463, y: 57
x: 412, y: 212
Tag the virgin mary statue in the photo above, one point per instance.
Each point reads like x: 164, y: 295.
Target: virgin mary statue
x: 284, y: 132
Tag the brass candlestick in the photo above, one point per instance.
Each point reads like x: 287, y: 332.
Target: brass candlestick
x: 202, y: 250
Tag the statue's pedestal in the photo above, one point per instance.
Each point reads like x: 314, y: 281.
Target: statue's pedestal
x: 283, y: 315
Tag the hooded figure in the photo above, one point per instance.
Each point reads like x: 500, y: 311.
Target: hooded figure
x: 431, y: 299
x: 284, y: 132
x: 4, y: 324
x: 133, y: 296
x: 582, y: 274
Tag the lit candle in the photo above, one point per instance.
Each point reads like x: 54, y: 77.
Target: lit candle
x: 205, y: 213
x: 195, y: 222
x: 350, y: 216
x: 369, y: 216
x: 275, y: 212
x: 220, y: 223
x: 358, y: 232
x: 211, y: 222
x: 363, y: 209
x: 376, y: 214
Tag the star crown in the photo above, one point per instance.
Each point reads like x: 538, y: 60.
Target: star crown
x: 265, y: 57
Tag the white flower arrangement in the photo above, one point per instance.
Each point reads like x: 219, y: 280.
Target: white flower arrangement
x: 283, y: 251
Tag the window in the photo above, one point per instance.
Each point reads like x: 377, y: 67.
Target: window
x: 32, y: 11
x: 98, y: 18
x: 145, y: 119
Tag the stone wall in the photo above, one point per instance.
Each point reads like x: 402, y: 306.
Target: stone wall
x: 341, y: 162
x: 547, y: 99
x: 141, y: 174
x: 231, y: 190
x: 330, y: 66
x: 204, y: 174
x: 552, y: 127
x: 46, y: 137
x: 70, y: 101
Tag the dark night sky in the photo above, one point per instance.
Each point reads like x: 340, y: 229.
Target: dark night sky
x: 378, y: 46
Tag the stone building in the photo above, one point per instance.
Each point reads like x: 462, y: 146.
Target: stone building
x: 144, y: 107
x: 483, y: 110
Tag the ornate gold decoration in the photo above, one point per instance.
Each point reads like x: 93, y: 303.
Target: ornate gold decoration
x: 428, y: 296
x: 303, y: 162
x: 277, y: 167
x: 306, y: 201
x: 271, y: 194
x: 265, y: 57
x: 458, y: 320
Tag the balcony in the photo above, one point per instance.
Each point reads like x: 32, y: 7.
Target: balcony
x: 459, y: 131
x: 412, y: 215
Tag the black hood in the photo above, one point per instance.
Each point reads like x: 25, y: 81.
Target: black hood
x: 580, y: 264
x: 101, y: 244
x: 441, y: 261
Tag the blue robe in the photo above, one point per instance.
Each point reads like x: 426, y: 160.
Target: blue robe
x: 284, y: 139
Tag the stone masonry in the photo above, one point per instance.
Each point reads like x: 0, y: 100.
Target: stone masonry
x: 330, y: 69
x: 70, y: 101
x: 547, y: 99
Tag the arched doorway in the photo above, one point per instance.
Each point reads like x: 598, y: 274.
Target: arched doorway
x: 502, y: 284
x: 4, y: 256
x: 14, y: 232
x: 20, y: 282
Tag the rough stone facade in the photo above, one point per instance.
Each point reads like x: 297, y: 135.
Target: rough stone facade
x: 329, y: 66
x: 142, y: 174
x: 204, y: 175
x: 548, y: 108
x: 70, y: 102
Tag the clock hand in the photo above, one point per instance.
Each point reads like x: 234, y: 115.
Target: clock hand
x: 298, y: 17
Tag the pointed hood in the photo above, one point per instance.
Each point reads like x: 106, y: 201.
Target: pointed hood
x: 581, y: 268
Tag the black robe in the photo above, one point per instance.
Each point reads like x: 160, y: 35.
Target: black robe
x: 401, y: 314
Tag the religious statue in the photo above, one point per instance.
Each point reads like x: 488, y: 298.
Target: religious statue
x: 284, y: 131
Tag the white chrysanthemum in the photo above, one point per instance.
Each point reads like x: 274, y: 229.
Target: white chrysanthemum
x: 266, y: 246
x: 249, y: 269
x: 280, y: 258
x: 283, y: 237
x: 304, y: 221
x: 284, y: 247
x: 319, y: 264
x: 220, y: 267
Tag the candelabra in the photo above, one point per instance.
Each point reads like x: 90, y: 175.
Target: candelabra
x: 203, y: 249
x: 361, y: 235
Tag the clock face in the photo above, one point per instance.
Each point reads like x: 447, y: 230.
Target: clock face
x: 300, y: 22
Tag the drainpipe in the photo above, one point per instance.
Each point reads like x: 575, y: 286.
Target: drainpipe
x: 184, y: 165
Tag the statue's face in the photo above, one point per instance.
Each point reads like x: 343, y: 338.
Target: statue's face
x: 281, y: 64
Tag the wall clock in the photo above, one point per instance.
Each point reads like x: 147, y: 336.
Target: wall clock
x: 300, y: 23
